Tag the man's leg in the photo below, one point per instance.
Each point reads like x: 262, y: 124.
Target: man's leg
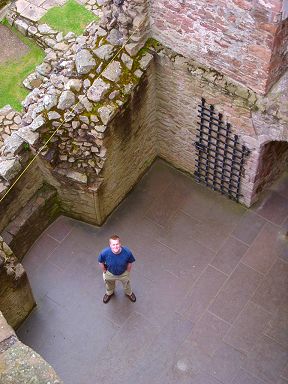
x: 109, y: 283
x: 125, y: 280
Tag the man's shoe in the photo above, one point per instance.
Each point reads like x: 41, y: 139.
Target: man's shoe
x: 106, y: 298
x: 132, y: 297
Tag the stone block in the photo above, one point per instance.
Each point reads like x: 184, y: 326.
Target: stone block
x: 98, y: 90
x: 66, y: 100
x: 28, y: 135
x: 106, y: 113
x: 13, y: 144
x: 113, y: 71
x: 9, y: 168
x: 84, y: 61
x: 21, y: 26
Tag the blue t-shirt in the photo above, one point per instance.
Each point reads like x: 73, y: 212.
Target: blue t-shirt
x: 116, y: 263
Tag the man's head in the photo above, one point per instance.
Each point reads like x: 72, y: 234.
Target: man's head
x: 114, y: 243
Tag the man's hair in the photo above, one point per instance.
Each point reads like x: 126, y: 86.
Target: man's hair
x: 114, y: 237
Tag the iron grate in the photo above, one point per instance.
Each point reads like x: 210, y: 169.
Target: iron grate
x: 220, y: 161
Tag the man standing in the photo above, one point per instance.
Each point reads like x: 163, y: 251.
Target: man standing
x: 116, y: 263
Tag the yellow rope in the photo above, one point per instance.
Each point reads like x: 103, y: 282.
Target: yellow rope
x: 62, y: 122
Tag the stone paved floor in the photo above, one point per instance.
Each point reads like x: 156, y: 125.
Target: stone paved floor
x: 210, y: 280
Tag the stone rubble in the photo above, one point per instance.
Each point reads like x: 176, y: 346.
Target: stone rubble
x: 76, y: 91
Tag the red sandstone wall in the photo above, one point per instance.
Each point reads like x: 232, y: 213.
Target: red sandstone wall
x: 234, y: 37
x: 279, y: 61
x: 272, y: 163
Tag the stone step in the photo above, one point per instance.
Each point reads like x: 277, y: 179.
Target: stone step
x: 41, y: 210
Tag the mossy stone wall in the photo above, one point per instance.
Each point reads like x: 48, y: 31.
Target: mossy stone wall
x: 3, y: 3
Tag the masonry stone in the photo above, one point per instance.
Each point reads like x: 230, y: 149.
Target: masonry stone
x: 145, y: 61
x: 84, y: 61
x: 98, y: 90
x: 127, y: 60
x: 113, y: 71
x: 28, y: 135
x: 44, y: 29
x: 9, y: 168
x: 37, y: 122
x: 106, y: 113
x: 66, y: 100
x: 22, y: 26
x: 105, y: 52
x: 53, y: 115
x: 74, y: 85
x: 13, y: 144
x: 50, y: 101
x: 44, y: 69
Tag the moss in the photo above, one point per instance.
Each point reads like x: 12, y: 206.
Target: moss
x: 3, y: 3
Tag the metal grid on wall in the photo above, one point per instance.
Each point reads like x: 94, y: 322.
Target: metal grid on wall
x: 220, y: 161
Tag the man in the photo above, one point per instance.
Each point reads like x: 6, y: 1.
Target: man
x: 116, y: 263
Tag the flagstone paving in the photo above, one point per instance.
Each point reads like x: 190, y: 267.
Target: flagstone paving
x: 211, y: 283
x: 35, y: 9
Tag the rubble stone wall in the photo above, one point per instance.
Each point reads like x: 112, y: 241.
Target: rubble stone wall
x: 234, y: 37
x: 127, y: 21
x: 16, y: 298
x: 40, y: 211
x: 3, y: 3
x: 75, y: 199
x: 131, y: 144
x: 20, y: 194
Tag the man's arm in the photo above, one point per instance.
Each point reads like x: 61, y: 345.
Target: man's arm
x: 129, y: 266
x: 102, y: 265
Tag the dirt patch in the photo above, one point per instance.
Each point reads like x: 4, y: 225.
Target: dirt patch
x: 12, y: 47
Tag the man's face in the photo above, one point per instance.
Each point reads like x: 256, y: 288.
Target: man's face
x: 115, y: 245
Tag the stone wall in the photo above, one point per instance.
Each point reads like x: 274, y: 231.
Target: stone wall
x: 272, y: 163
x: 233, y: 37
x: 131, y: 144
x: 127, y: 22
x: 19, y: 196
x: 40, y: 211
x: 180, y: 85
x: 16, y: 298
x: 21, y: 193
x: 3, y: 3
x: 279, y: 59
x: 75, y: 102
x: 19, y: 363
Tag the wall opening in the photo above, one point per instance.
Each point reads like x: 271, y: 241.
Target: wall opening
x: 273, y: 162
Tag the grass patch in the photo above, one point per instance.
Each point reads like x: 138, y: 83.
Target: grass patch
x: 12, y: 73
x: 71, y: 17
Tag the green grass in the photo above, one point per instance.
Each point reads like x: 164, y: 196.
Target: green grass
x: 71, y: 17
x: 12, y: 73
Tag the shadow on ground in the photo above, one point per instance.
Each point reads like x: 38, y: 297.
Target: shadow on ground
x: 210, y: 279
